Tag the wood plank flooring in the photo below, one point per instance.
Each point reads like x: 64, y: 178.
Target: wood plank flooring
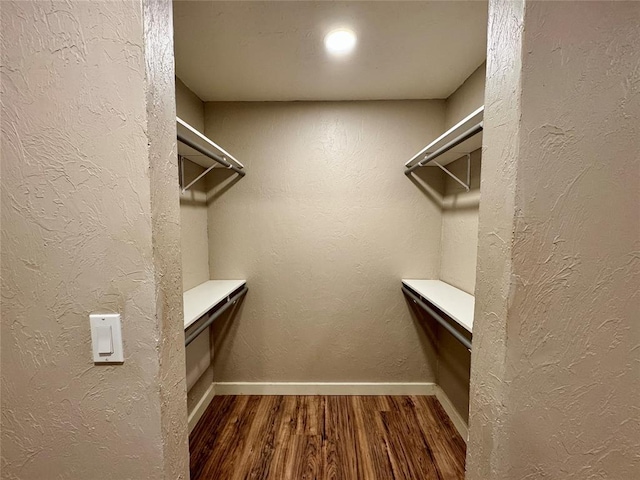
x: 326, y: 437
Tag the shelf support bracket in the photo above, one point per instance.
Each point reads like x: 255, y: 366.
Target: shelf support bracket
x: 187, y: 187
x: 465, y: 185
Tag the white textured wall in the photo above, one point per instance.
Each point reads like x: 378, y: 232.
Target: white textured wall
x: 90, y: 224
x: 556, y: 377
x: 323, y: 227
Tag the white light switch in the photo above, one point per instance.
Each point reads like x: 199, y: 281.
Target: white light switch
x: 106, y: 338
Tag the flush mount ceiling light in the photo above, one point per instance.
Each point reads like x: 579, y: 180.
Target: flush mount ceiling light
x: 340, y: 42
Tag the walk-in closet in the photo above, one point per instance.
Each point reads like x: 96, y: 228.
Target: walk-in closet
x: 329, y: 217
x: 346, y: 240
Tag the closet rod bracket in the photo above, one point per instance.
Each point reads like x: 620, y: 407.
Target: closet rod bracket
x: 187, y: 187
x: 467, y: 185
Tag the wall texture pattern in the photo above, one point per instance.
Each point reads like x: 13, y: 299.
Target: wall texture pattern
x: 467, y: 97
x: 555, y: 376
x: 459, y: 244
x: 323, y: 226
x: 458, y: 264
x: 90, y: 224
x: 193, y: 203
x: 487, y: 412
x: 165, y: 234
x: 460, y: 209
x: 194, y: 236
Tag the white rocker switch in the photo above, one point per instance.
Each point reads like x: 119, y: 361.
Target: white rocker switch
x: 105, y: 341
x: 106, y: 338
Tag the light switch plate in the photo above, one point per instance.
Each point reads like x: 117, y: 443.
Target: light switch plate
x: 98, y: 323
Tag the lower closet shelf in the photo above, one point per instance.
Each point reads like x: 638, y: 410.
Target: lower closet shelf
x: 453, y: 302
x: 207, y: 296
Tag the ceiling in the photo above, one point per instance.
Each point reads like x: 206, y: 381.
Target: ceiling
x: 273, y: 50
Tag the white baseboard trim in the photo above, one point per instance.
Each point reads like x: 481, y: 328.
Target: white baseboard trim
x: 313, y: 388
x: 201, y: 407
x: 454, y: 416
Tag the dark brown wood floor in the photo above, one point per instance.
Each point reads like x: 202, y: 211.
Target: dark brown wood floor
x: 326, y: 437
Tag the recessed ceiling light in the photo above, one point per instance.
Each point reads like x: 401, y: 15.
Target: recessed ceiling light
x: 340, y: 41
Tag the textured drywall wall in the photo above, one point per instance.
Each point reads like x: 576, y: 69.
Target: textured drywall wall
x: 458, y: 262
x: 199, y: 369
x: 165, y: 235
x: 189, y: 107
x: 468, y: 97
x: 194, y: 235
x: 555, y: 374
x: 487, y: 410
x: 323, y: 227
x: 193, y: 203
x: 195, y: 264
x: 460, y: 208
x: 460, y: 225
x: 90, y: 224
x: 195, y: 247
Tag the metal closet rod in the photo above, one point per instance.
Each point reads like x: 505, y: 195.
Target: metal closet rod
x: 458, y: 336
x: 446, y: 147
x: 210, y: 154
x: 214, y: 315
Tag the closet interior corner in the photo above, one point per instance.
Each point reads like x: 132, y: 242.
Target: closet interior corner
x: 330, y: 218
x: 448, y: 304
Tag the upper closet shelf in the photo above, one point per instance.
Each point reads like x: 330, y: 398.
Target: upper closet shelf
x: 453, y: 302
x: 207, y: 296
x: 199, y: 149
x: 461, y: 139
